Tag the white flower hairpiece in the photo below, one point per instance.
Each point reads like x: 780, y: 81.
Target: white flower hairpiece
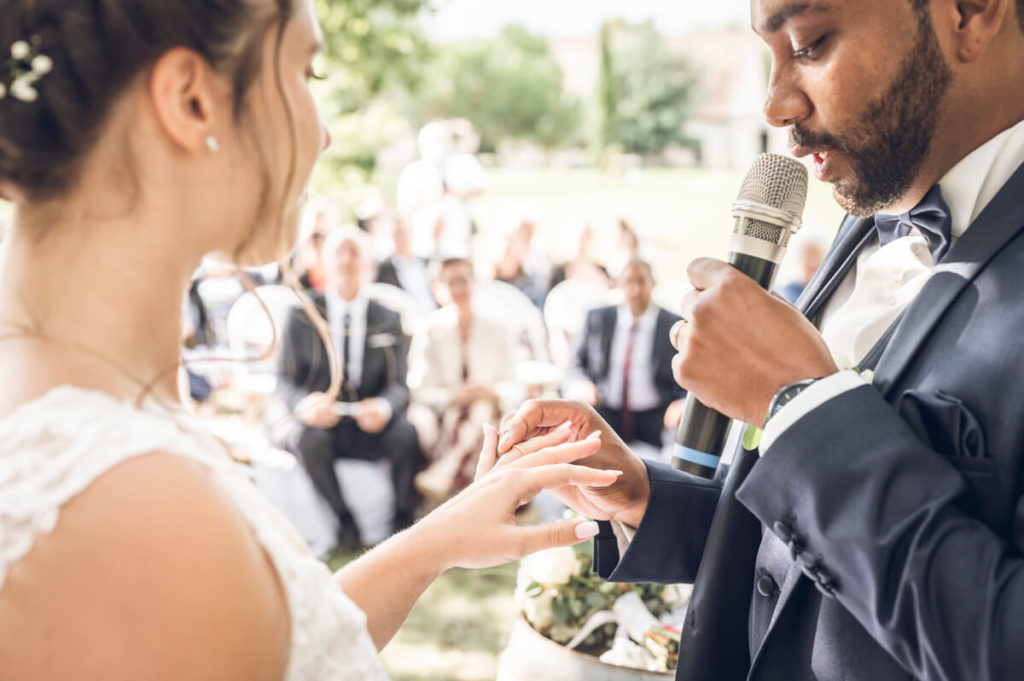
x: 24, y: 68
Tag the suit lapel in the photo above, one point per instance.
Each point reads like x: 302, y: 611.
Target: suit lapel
x: 854, y: 234
x: 607, y: 334
x: 661, y: 328
x: 1000, y: 222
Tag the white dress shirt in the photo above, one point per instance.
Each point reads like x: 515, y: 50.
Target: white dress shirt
x: 337, y: 307
x: 885, y: 280
x: 643, y: 394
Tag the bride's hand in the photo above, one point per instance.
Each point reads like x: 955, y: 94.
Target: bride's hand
x: 478, y: 528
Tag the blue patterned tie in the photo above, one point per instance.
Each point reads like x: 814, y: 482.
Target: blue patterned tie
x: 932, y: 219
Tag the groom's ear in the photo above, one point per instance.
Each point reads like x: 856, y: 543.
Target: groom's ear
x: 187, y: 98
x: 970, y: 25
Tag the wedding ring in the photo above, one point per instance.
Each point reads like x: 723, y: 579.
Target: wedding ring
x: 522, y: 452
x: 673, y: 334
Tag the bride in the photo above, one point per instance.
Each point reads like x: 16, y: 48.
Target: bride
x: 136, y: 136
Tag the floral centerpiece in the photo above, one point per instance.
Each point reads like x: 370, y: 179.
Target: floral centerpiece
x: 563, y: 600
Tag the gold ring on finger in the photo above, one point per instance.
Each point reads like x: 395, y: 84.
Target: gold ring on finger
x: 522, y: 452
x: 673, y: 333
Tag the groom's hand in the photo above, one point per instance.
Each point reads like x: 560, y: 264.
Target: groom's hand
x: 740, y: 344
x: 624, y: 500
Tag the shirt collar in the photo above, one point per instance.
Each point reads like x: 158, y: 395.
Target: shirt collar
x: 974, y: 181
x: 338, y: 306
x: 625, y: 315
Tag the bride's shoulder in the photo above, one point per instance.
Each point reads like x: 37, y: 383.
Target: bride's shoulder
x: 151, y: 569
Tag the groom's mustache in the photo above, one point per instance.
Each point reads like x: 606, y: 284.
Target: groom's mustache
x: 800, y: 137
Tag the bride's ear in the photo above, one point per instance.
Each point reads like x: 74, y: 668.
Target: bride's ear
x: 187, y: 98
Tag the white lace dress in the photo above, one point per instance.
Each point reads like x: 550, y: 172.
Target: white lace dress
x: 53, y: 448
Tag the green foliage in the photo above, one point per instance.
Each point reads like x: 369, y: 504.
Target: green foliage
x: 509, y: 88
x: 373, y: 55
x: 607, y: 93
x: 645, y: 92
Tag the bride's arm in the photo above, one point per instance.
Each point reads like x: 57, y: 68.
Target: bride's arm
x: 475, y: 529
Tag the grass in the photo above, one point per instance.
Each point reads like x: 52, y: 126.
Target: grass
x: 457, y: 629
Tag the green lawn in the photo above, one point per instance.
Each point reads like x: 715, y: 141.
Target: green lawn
x: 457, y: 629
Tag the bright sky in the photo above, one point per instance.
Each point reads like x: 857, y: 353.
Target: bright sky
x: 461, y: 19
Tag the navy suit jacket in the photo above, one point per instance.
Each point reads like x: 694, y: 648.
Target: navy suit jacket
x: 882, y: 535
x: 303, y: 366
x: 591, y: 354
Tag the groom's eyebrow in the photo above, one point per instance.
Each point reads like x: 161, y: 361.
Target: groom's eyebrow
x: 784, y: 14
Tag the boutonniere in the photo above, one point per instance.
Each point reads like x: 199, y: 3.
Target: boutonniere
x: 381, y: 340
x: 752, y: 434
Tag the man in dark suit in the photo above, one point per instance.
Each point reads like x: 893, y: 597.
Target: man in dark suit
x: 366, y: 419
x: 622, y: 361
x: 878, y: 532
x: 406, y: 270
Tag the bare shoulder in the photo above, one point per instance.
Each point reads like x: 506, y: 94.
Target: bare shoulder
x: 151, y: 573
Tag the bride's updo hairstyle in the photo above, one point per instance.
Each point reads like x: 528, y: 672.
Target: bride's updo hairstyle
x: 92, y: 51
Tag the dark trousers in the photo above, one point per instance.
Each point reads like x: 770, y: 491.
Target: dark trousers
x: 319, y: 448
x: 647, y: 425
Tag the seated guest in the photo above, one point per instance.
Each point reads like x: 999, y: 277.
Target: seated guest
x: 461, y: 366
x: 810, y: 252
x: 580, y: 265
x: 621, y: 362
x: 366, y: 420
x: 406, y: 270
x: 511, y: 267
x: 307, y: 263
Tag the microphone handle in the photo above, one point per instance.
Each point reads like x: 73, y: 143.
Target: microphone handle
x: 702, y: 431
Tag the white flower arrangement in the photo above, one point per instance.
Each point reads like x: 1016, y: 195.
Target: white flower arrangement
x: 561, y: 598
x: 24, y: 69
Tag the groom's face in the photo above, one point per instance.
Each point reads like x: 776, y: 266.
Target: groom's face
x: 861, y: 84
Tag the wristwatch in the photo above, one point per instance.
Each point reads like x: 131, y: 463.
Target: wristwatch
x: 786, y: 395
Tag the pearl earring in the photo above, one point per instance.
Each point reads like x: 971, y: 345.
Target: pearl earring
x: 212, y: 144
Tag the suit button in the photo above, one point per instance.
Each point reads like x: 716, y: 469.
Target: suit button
x: 766, y: 586
x: 783, y: 531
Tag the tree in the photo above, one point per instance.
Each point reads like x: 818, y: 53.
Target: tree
x: 645, y: 92
x: 374, y: 54
x: 510, y: 88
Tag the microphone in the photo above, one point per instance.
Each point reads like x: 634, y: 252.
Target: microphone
x: 767, y: 212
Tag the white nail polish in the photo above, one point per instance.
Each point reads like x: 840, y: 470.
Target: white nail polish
x: 587, y: 530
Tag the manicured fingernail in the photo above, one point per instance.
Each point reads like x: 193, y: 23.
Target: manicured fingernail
x: 503, y: 441
x: 587, y: 530
x: 564, y: 427
x: 596, y: 435
x: 613, y: 472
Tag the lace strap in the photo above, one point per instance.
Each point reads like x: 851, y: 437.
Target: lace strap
x: 53, y: 448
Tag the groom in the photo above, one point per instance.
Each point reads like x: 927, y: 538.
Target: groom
x: 879, y: 531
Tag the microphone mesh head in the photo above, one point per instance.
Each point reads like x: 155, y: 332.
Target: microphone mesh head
x: 779, y: 183
x: 776, y: 181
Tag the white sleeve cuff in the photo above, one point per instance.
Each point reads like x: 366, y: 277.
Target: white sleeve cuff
x: 623, y: 535
x: 812, y: 397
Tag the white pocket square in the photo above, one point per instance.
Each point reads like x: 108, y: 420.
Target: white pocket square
x: 381, y: 340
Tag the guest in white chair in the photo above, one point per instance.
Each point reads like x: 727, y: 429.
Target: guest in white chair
x: 367, y: 420
x: 462, y: 367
